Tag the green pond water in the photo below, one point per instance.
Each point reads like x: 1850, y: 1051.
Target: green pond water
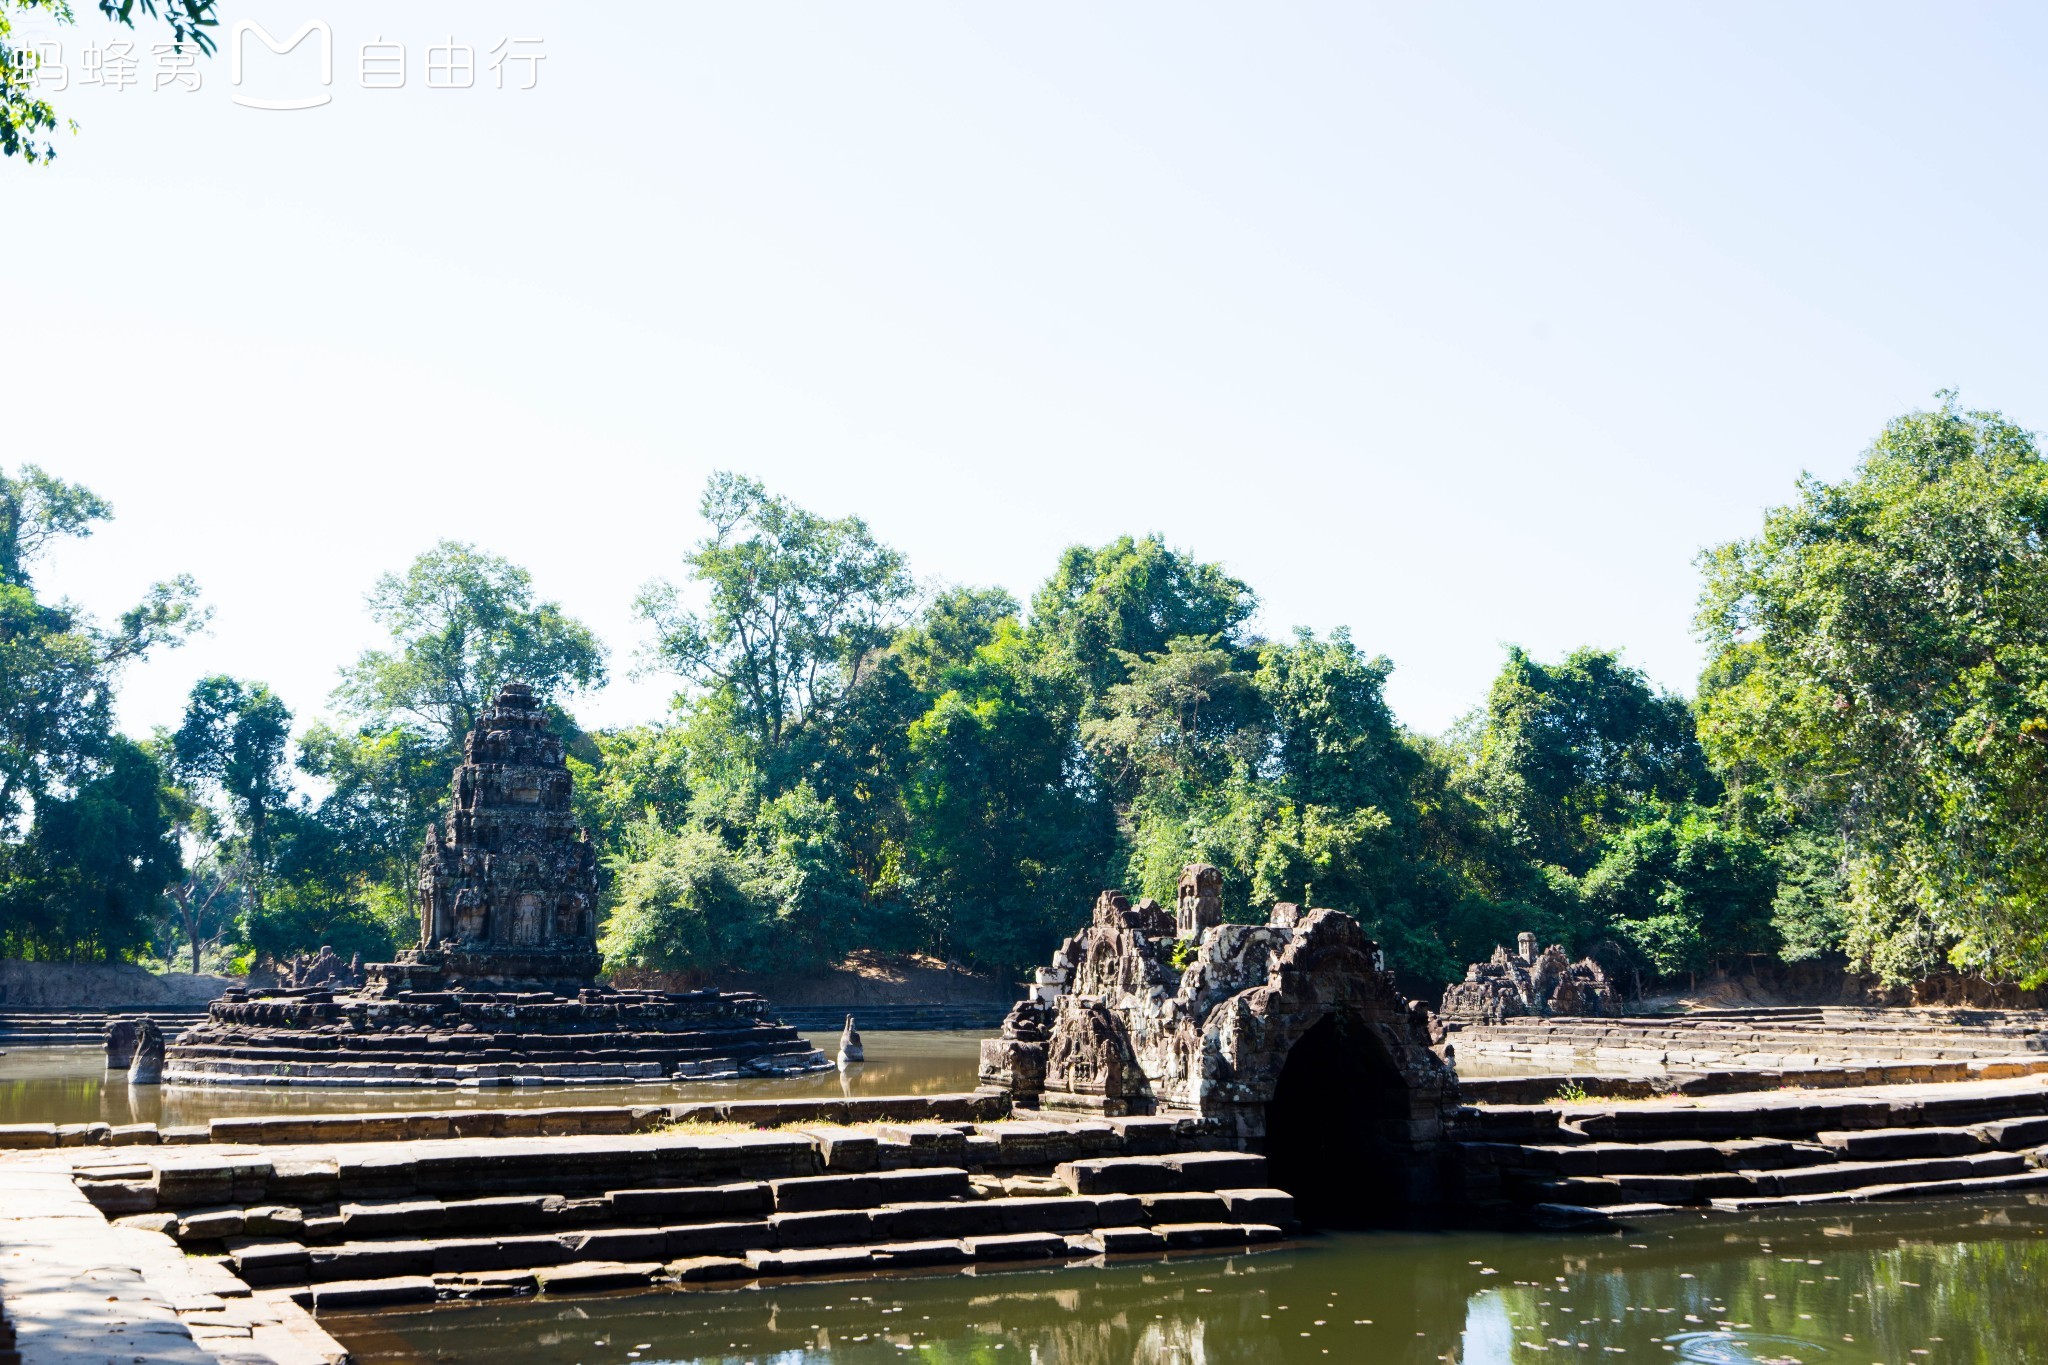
x: 70, y: 1085
x: 1916, y: 1283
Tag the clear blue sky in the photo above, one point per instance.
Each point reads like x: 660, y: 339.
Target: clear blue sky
x: 1460, y: 325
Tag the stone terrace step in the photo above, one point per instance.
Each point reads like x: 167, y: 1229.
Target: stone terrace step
x: 1718, y: 1151
x: 886, y: 1018
x: 764, y: 1264
x: 853, y: 1233
x: 1934, y: 1189
x: 1714, y: 1188
x: 1153, y: 1174
x: 1802, y: 1114
x: 804, y: 1202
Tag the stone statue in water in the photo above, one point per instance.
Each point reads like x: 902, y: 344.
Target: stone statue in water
x: 148, y: 1066
x: 850, y: 1050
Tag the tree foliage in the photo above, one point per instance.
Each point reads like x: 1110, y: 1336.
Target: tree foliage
x: 846, y: 766
x: 463, y: 623
x: 796, y: 604
x: 26, y: 119
x: 1879, y: 666
x: 85, y: 837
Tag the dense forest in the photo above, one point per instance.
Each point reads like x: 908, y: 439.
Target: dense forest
x: 852, y: 760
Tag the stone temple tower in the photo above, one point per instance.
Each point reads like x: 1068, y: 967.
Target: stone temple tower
x: 508, y: 887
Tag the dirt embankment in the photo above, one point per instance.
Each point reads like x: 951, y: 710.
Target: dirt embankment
x: 100, y: 985
x: 863, y: 979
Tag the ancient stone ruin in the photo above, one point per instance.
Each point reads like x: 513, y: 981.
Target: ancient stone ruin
x: 323, y: 968
x: 1287, y: 1036
x: 146, y: 1067
x: 508, y: 888
x: 1526, y: 983
x: 501, y: 988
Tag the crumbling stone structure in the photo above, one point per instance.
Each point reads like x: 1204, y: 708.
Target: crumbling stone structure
x: 502, y: 986
x: 1287, y: 1036
x: 508, y: 888
x: 1527, y: 983
x: 324, y: 968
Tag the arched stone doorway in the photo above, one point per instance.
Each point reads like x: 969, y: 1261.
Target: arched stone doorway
x: 1337, y: 1134
x: 1287, y: 1037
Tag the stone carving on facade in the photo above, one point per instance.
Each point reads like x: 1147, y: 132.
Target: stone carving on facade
x: 1526, y: 984
x: 1113, y: 1028
x: 1199, y: 904
x: 508, y: 883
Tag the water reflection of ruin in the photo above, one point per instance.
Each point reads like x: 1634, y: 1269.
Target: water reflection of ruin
x: 1287, y: 1036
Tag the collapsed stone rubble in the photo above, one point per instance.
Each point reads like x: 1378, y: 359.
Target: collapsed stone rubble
x: 324, y: 968
x: 1526, y: 983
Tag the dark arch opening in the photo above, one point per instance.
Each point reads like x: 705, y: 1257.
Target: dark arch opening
x: 1334, y: 1128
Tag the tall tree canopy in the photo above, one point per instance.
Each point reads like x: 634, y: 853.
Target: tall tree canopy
x: 1128, y: 599
x: 796, y: 604
x: 1879, y: 662
x: 463, y: 623
x: 1571, y: 751
x: 85, y: 841
x: 234, y: 748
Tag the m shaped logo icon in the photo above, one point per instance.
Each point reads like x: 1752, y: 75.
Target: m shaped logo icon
x: 311, y: 26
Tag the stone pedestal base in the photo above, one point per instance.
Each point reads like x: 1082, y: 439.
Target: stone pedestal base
x: 408, y: 1037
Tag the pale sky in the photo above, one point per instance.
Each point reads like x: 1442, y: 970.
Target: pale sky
x: 1460, y: 324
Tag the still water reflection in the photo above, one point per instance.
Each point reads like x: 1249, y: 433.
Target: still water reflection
x: 1925, y: 1283
x: 69, y: 1085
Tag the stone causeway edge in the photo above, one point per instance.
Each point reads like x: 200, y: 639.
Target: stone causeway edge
x: 564, y: 1121
x: 85, y: 1278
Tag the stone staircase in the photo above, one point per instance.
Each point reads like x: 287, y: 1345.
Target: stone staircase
x: 892, y: 1018
x: 376, y: 1223
x: 1578, y: 1164
x: 1768, y: 1038
x: 30, y: 1026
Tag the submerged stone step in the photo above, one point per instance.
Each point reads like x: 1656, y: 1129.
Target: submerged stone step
x: 1932, y: 1189
x: 1852, y: 1174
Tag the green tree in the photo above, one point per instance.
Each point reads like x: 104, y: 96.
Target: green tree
x: 1007, y: 840
x: 690, y: 901
x: 86, y: 882
x: 233, y: 750
x: 85, y: 843
x: 1570, y: 752
x: 464, y: 623
x: 797, y: 606
x: 345, y: 867
x: 1686, y: 894
x: 1104, y: 607
x: 1879, y: 667
x: 26, y: 119
x: 1186, y: 715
